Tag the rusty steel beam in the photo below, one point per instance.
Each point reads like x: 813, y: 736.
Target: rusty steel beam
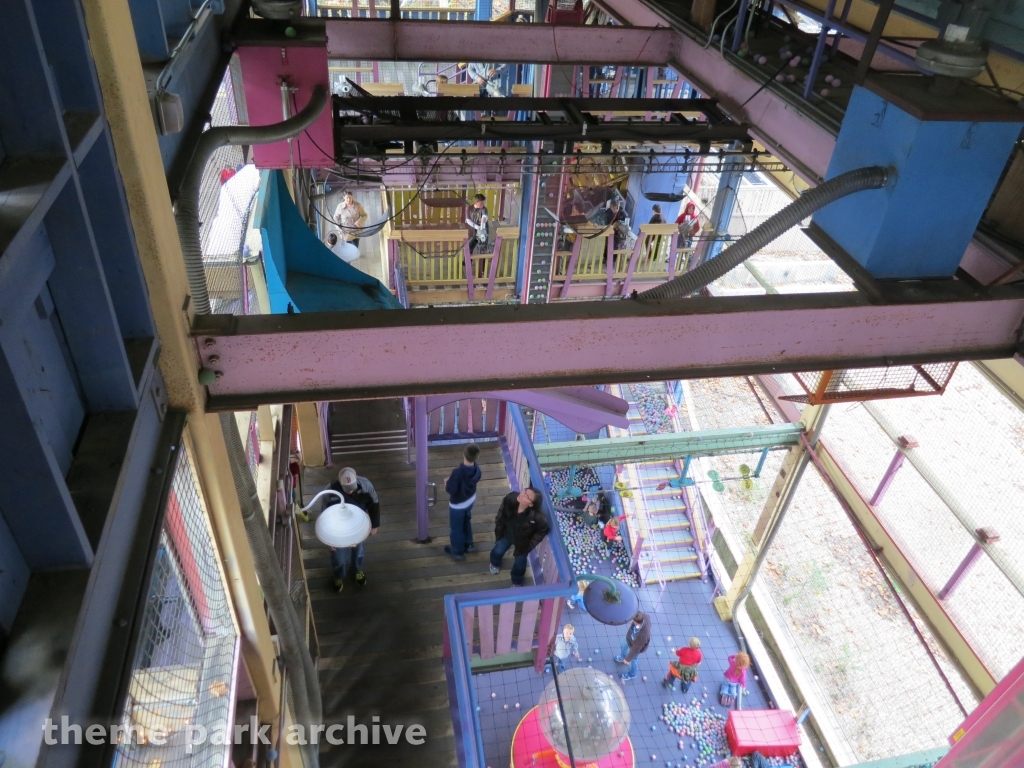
x: 352, y: 355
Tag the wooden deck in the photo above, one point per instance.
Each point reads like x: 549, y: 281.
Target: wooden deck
x: 381, y: 644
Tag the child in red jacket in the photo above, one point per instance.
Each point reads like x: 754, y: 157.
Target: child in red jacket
x: 611, y: 532
x: 685, y: 669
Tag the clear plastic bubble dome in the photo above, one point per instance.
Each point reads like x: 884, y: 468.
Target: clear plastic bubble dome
x: 596, y: 711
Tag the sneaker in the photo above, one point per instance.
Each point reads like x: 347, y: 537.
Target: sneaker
x: 620, y: 660
x: 626, y: 677
x: 360, y: 579
x: 338, y: 585
x: 494, y: 570
x: 453, y: 556
x: 669, y: 684
x: 471, y: 548
x: 568, y: 604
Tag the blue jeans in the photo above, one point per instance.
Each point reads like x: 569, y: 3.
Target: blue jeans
x: 634, y: 665
x: 461, y: 523
x: 347, y: 560
x: 501, y: 546
x: 575, y: 601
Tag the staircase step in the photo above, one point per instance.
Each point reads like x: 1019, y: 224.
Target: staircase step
x: 680, y: 571
x: 385, y: 441
x: 670, y: 539
x: 668, y: 523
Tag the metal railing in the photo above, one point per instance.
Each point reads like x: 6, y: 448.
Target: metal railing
x: 555, y: 582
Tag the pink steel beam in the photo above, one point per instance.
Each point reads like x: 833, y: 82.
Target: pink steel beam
x: 352, y: 355
x: 408, y: 40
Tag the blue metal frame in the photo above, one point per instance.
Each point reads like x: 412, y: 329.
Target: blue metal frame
x: 465, y: 718
x: 83, y: 403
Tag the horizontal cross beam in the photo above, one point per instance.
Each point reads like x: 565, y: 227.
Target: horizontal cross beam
x: 711, y: 442
x: 386, y: 353
x: 386, y: 40
x: 404, y: 104
x: 512, y: 130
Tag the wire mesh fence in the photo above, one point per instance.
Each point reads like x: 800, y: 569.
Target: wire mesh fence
x: 843, y: 619
x: 854, y: 384
x: 183, y: 671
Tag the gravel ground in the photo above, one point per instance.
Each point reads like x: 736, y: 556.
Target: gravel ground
x: 973, y: 439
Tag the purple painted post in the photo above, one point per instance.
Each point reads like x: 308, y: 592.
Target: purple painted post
x: 819, y: 49
x: 610, y: 269
x: 392, y: 262
x: 493, y: 273
x: 633, y: 259
x: 887, y: 478
x: 422, y: 519
x: 550, y: 615
x: 467, y: 257
x: 571, y: 269
x: 678, y: 87
x: 890, y: 473
x: 635, y: 560
x: 673, y: 246
x: 985, y: 536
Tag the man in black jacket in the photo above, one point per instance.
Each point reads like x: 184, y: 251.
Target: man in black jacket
x: 522, y: 524
x: 359, y: 492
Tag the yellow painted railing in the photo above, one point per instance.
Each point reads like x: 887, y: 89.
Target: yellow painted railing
x: 649, y: 258
x: 436, y: 257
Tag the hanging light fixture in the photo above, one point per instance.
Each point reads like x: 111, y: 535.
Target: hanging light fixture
x: 614, y: 604
x: 342, y: 524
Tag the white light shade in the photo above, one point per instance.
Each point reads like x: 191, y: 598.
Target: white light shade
x: 346, y: 251
x: 342, y: 525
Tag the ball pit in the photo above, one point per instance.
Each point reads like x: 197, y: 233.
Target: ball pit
x: 702, y: 729
x: 584, y: 543
x: 653, y: 405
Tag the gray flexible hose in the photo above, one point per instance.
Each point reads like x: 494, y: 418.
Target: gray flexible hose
x: 302, y: 678
x: 187, y: 209
x: 304, y: 687
x: 809, y: 202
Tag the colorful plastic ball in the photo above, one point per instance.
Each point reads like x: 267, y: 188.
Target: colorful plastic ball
x: 494, y: 695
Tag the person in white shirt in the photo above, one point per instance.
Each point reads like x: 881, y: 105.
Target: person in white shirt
x: 347, y: 252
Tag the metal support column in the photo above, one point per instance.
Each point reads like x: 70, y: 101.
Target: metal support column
x: 768, y: 523
x: 710, y: 244
x: 422, y: 508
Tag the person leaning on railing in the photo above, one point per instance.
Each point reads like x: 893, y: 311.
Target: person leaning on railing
x: 520, y: 523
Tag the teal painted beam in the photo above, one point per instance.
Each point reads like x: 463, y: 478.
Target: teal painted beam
x: 711, y: 442
x: 916, y: 760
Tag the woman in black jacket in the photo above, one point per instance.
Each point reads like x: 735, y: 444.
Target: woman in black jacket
x: 522, y: 524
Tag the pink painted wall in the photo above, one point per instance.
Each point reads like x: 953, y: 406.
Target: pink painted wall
x: 993, y: 735
x: 262, y: 71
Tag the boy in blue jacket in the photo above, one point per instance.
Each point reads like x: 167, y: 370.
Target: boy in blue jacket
x: 461, y: 488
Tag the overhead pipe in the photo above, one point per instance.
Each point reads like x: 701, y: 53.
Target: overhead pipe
x: 812, y: 200
x: 303, y: 684
x: 186, y: 212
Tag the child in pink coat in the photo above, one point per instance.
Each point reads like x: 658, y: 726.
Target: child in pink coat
x: 735, y: 679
